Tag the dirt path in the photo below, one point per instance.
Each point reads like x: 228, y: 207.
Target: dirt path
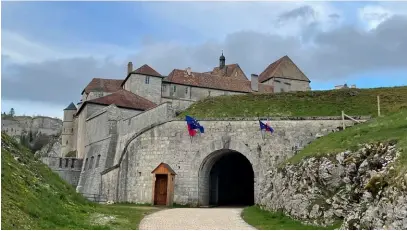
x: 195, y: 218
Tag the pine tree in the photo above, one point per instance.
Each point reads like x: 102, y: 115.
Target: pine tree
x: 11, y: 112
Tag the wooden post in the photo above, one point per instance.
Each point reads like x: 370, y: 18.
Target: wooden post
x: 343, y: 120
x: 378, y: 106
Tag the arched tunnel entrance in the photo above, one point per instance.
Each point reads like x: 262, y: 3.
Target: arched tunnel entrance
x: 228, y: 179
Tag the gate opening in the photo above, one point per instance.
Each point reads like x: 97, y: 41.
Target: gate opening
x: 231, y: 181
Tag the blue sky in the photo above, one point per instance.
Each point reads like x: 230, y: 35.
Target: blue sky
x: 51, y: 50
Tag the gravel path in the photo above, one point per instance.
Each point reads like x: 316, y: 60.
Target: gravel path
x: 195, y: 218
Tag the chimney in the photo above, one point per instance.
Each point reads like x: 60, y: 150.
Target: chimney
x: 129, y: 67
x: 189, y: 71
x: 255, y: 82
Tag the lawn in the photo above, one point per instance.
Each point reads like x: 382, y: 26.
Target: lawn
x: 265, y: 220
x: 312, y: 103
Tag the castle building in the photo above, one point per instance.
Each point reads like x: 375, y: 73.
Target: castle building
x: 145, y: 88
x: 105, y: 128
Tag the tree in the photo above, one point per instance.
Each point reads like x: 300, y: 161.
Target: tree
x: 11, y: 112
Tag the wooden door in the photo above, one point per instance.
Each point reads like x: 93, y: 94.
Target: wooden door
x: 161, y: 182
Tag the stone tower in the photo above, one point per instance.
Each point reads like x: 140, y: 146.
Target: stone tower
x: 67, y: 130
x: 222, y: 61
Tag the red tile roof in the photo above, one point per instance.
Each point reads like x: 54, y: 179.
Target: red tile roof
x: 104, y: 85
x: 146, y: 70
x: 206, y: 80
x: 270, y: 71
x: 124, y: 99
x: 228, y: 71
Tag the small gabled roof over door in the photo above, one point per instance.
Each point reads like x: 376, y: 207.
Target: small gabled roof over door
x: 163, y: 168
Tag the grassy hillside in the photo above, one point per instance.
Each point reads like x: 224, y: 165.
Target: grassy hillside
x: 313, y: 103
x: 33, y: 197
x: 384, y: 129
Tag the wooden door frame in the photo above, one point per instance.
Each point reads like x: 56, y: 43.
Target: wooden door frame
x: 164, y: 169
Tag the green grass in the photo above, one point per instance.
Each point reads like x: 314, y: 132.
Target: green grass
x: 384, y: 129
x: 34, y: 197
x: 266, y: 220
x: 312, y: 103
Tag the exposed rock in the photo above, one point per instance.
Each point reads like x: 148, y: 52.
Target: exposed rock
x: 52, y: 149
x: 356, y: 187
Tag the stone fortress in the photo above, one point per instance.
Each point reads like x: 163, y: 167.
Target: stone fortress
x: 128, y: 145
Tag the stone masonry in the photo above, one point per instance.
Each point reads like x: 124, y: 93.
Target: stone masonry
x: 121, y: 156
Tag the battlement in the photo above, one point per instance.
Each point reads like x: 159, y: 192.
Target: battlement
x: 67, y: 168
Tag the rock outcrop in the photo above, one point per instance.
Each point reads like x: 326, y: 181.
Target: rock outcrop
x: 52, y: 149
x: 364, y: 188
x: 22, y: 125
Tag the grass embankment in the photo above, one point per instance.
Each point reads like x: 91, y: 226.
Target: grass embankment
x: 266, y: 220
x: 383, y: 129
x: 34, y: 197
x: 312, y: 103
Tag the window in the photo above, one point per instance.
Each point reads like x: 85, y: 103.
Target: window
x: 164, y: 88
x: 282, y: 89
x: 72, y: 130
x: 97, y: 161
x: 186, y: 90
x: 72, y: 163
x: 66, y: 142
x: 60, y: 162
x: 66, y: 163
x: 147, y: 80
x: 174, y: 88
x: 86, y: 164
x: 91, y: 163
x: 209, y: 93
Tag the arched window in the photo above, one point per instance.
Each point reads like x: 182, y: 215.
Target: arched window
x: 91, y: 162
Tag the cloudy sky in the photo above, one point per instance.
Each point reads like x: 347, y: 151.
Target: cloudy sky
x: 51, y: 50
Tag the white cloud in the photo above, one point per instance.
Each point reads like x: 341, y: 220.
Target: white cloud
x: 217, y: 19
x: 373, y: 15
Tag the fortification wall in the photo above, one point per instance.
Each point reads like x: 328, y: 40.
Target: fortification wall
x: 169, y: 142
x: 68, y: 169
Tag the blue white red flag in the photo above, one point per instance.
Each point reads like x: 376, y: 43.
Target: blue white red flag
x: 193, y: 125
x: 266, y: 127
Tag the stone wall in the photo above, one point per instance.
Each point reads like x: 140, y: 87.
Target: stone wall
x: 100, y: 145
x: 138, y: 154
x: 149, y: 89
x: 286, y: 85
x: 178, y: 91
x: 88, y: 110
x: 68, y: 169
x: 183, y: 96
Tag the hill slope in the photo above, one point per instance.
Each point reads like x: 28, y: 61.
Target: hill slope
x: 358, y: 176
x: 34, y: 197
x: 312, y: 103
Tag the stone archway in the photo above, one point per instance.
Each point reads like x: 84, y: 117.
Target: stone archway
x: 210, y: 175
